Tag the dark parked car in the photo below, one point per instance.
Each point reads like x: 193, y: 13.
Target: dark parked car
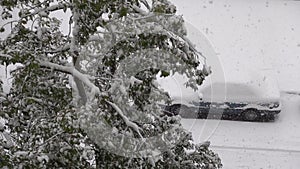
x: 250, y: 100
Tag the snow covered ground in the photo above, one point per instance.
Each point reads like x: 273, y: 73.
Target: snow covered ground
x: 274, y: 145
x: 263, y: 36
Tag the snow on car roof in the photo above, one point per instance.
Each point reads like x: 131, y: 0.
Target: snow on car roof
x: 241, y: 85
x: 238, y: 86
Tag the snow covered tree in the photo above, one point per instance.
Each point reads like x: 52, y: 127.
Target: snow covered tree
x: 88, y: 98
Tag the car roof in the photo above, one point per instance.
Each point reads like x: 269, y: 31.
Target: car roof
x: 240, y: 86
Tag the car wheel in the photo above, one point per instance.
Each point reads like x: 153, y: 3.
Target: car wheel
x: 250, y: 115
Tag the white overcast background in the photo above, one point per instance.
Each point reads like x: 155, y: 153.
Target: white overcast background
x: 260, y: 35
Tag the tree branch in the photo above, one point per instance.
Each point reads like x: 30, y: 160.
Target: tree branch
x: 139, y: 10
x: 71, y: 70
x: 74, y: 51
x: 48, y: 9
x: 146, y: 4
x: 61, y: 49
x: 6, y: 56
x: 134, y: 126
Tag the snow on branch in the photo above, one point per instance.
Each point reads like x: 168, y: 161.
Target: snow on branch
x: 48, y: 9
x: 35, y: 99
x: 86, y: 79
x: 146, y: 4
x: 75, y: 32
x: 61, y: 49
x: 6, y: 56
x: 139, y: 10
x: 134, y: 126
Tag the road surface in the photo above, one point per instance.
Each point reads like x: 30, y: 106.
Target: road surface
x: 254, y: 145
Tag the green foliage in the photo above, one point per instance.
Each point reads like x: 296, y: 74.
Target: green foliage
x: 163, y: 7
x: 120, y: 49
x: 39, y: 113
